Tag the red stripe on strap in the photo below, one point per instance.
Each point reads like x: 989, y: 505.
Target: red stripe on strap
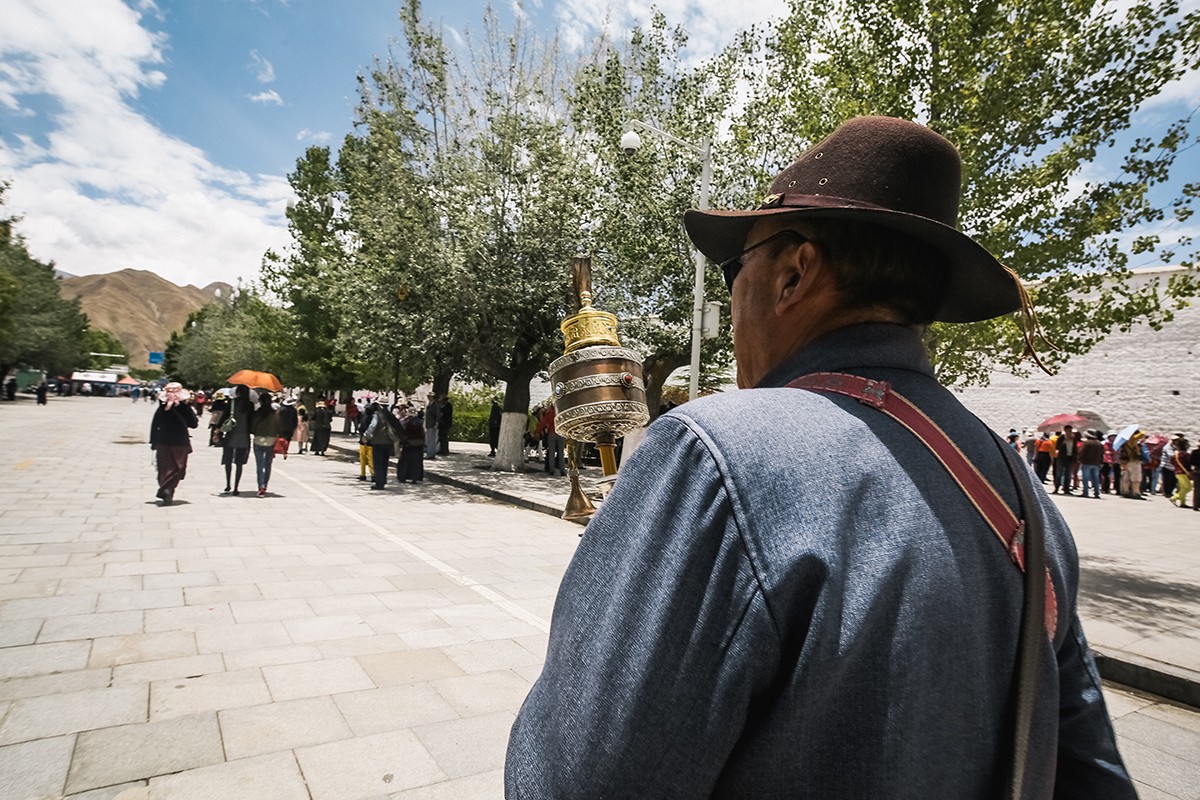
x: 981, y: 493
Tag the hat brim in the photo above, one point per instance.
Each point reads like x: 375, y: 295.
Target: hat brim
x: 980, y: 287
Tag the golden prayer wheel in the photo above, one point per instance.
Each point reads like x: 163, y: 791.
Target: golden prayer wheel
x: 599, y: 394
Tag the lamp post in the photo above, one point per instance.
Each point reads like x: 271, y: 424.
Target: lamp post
x: 630, y: 142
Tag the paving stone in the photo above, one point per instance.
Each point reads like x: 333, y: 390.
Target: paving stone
x: 281, y: 726
x: 43, y: 607
x: 473, y: 614
x: 75, y: 681
x: 487, y: 656
x: 463, y: 747
x: 484, y: 785
x: 438, y: 637
x: 20, y: 590
x: 393, y: 708
x: 402, y: 621
x: 143, y: 598
x: 1175, y: 776
x: 369, y: 766
x: 408, y: 666
x: 35, y: 769
x: 210, y: 595
x: 1161, y: 735
x: 166, y: 668
x: 140, y: 568
x: 270, y: 610
x: 321, y: 629
x: 134, y: 790
x: 471, y: 695
x: 114, y: 650
x: 270, y: 777
x: 91, y: 626
x: 1180, y: 716
x: 186, y: 618
x: 347, y: 604
x: 20, y: 632
x: 294, y: 588
x: 100, y: 586
x: 361, y: 646
x: 36, y: 659
x: 71, y: 712
x: 316, y: 678
x: 271, y: 656
x: 223, y: 638
x: 178, y: 580
x: 134, y: 752
x: 179, y: 697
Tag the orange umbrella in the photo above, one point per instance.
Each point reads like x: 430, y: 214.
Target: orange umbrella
x: 256, y: 380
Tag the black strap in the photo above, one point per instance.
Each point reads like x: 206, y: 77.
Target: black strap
x: 1032, y: 635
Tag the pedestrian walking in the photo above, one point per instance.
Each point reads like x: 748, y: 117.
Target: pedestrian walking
x: 554, y: 443
x: 382, y: 435
x: 320, y: 425
x: 264, y: 427
x: 1181, y: 464
x: 495, y: 416
x: 41, y: 391
x: 787, y: 592
x: 288, y: 420
x: 235, y: 436
x: 445, y: 421
x: 170, y: 440
x: 1091, y: 457
x: 366, y: 454
x: 432, y: 415
x: 410, y: 466
x: 301, y: 429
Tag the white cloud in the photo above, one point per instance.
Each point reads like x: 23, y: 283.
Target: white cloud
x: 263, y: 70
x: 104, y: 188
x: 319, y: 137
x: 268, y: 96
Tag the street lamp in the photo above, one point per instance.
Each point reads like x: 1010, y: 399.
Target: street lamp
x: 630, y: 142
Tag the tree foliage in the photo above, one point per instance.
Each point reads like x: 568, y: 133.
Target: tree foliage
x: 39, y: 328
x: 644, y: 265
x: 220, y: 339
x: 1031, y: 93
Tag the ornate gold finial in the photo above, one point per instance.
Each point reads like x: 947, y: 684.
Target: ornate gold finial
x: 587, y: 326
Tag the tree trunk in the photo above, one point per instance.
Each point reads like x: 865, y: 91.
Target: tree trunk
x: 510, y: 453
x: 657, y: 367
x: 441, y: 380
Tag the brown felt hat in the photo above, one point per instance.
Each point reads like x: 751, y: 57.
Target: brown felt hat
x: 887, y: 172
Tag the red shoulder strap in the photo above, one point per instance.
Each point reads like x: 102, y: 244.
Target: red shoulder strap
x: 985, y: 498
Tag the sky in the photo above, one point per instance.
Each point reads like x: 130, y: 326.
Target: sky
x: 158, y: 135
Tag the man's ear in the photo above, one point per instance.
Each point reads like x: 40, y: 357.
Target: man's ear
x: 795, y: 279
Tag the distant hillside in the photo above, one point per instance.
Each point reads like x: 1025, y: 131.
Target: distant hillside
x: 138, y: 307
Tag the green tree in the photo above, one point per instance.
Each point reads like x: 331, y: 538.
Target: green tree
x: 306, y: 278
x: 39, y: 328
x: 1031, y: 93
x: 644, y: 265
x: 220, y: 339
x: 497, y: 193
x: 98, y: 340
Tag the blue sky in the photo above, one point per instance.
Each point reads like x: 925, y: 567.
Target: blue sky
x: 157, y: 134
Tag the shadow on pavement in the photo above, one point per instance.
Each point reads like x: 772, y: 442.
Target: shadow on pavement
x: 1135, y: 601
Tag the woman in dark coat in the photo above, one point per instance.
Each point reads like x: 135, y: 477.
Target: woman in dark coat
x: 319, y: 426
x: 411, y: 464
x: 170, y: 440
x: 236, y: 442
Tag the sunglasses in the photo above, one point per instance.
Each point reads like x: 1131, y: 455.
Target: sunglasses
x: 730, y: 267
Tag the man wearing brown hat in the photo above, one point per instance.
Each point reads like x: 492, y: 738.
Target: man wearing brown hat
x: 847, y: 621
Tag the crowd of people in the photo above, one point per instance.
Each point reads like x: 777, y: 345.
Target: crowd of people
x: 1091, y: 462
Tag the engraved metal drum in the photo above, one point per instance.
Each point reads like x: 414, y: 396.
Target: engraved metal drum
x: 599, y: 394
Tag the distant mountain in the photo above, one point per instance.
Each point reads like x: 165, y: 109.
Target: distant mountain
x: 138, y: 307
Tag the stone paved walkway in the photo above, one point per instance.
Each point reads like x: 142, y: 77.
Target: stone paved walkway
x: 325, y: 642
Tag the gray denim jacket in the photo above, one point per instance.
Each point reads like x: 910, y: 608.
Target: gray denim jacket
x: 786, y: 596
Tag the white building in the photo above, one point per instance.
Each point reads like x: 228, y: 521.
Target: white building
x: 1147, y: 377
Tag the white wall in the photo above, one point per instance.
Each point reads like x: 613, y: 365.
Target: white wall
x: 1145, y: 376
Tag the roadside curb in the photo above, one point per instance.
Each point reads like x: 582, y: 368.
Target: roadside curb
x: 1169, y: 681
